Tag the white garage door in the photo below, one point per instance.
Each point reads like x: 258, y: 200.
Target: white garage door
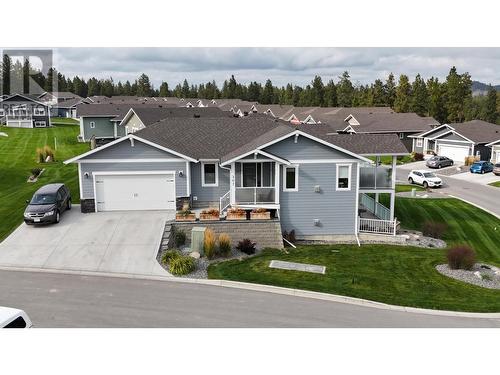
x: 457, y: 153
x: 498, y: 156
x: 121, y: 192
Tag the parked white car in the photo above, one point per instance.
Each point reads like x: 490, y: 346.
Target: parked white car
x: 424, y: 178
x: 14, y: 318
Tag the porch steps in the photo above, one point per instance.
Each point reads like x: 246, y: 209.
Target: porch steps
x: 265, y: 233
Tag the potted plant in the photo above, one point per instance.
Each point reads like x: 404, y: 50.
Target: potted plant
x: 185, y: 215
x: 236, y: 213
x: 210, y: 214
x: 260, y: 214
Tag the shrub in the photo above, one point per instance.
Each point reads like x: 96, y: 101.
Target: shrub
x: 179, y: 238
x: 246, y: 246
x: 434, y: 229
x: 224, y: 244
x: 259, y: 210
x: 47, y: 151
x: 39, y: 155
x: 181, y: 265
x: 418, y: 156
x: 184, y: 212
x: 211, y: 211
x: 237, y: 211
x: 209, y: 243
x: 168, y: 255
x: 461, y: 257
x: 36, y: 171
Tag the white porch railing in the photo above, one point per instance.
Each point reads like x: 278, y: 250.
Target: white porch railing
x: 224, y: 202
x: 377, y: 226
x: 379, y: 210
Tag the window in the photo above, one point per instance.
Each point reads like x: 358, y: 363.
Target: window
x: 39, y: 111
x: 291, y: 178
x: 401, y: 135
x: 209, y: 174
x: 419, y: 142
x: 257, y: 174
x: 343, y: 177
x: 2, y: 112
x: 40, y: 124
x: 92, y: 124
x: 19, y: 322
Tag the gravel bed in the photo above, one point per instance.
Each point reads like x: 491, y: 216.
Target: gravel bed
x: 473, y: 276
x: 415, y: 238
x: 202, y: 263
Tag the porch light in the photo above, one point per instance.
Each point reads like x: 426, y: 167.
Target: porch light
x: 181, y: 173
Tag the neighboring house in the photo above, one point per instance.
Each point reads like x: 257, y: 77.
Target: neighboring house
x: 495, y: 151
x: 24, y: 111
x: 138, y: 118
x: 316, y: 184
x: 101, y: 121
x: 458, y: 141
x: 55, y: 97
x: 404, y: 125
x: 66, y: 108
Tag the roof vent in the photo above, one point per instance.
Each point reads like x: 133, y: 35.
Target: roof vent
x: 196, y: 115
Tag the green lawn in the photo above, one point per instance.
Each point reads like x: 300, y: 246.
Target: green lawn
x: 388, y: 159
x: 17, y: 158
x: 406, y: 188
x: 63, y: 121
x: 391, y: 274
x: 495, y: 184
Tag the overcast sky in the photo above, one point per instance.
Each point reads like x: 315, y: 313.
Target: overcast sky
x: 281, y: 65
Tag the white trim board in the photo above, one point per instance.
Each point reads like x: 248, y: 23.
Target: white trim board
x: 349, y: 183
x: 296, y: 167
x: 202, y: 171
x: 100, y: 161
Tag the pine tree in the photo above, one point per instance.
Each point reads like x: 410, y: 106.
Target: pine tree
x: 317, y: 92
x: 26, y: 75
x: 6, y: 70
x: 458, y: 93
x: 437, y: 107
x: 390, y: 90
x: 402, y: 102
x: 345, y: 91
x: 489, y: 112
x: 127, y: 88
x: 164, y: 92
x: 143, y: 86
x: 49, y: 83
x: 379, y: 95
x: 420, y: 97
x: 267, y: 96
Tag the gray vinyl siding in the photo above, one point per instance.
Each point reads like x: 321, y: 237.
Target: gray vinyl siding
x: 336, y: 210
x: 417, y: 148
x: 484, y: 152
x: 452, y: 137
x: 104, y: 128
x: 208, y: 194
x: 140, y: 150
x: 120, y: 131
x: 88, y: 183
x: 305, y: 148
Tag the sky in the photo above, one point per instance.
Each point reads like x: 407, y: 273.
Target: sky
x: 281, y: 65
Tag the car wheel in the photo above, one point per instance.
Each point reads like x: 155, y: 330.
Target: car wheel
x: 451, y: 163
x: 58, y: 217
x: 68, y: 207
x: 482, y: 171
x: 410, y: 180
x: 439, y: 166
x: 426, y: 185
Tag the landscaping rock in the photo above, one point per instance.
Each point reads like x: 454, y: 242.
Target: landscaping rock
x: 194, y: 254
x: 478, y: 275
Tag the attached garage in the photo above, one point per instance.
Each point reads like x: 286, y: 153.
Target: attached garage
x: 454, y: 152
x: 121, y: 191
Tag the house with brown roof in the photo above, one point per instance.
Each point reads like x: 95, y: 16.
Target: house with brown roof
x: 320, y: 185
x: 458, y: 141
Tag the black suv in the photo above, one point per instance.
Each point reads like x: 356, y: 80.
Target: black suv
x: 47, y: 204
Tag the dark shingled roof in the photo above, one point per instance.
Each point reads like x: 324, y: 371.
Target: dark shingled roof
x: 150, y: 115
x: 478, y: 131
x: 117, y: 111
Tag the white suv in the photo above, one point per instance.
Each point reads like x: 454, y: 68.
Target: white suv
x: 425, y: 178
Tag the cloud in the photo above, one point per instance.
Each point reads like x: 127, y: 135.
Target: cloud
x: 281, y: 65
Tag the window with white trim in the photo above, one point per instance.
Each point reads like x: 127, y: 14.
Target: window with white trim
x: 209, y: 174
x: 40, y: 124
x: 291, y: 178
x: 401, y: 135
x: 92, y: 124
x: 343, y: 177
x: 39, y: 111
x: 2, y: 112
x: 419, y: 142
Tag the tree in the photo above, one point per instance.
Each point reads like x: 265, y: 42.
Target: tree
x: 420, y: 97
x: 390, y: 90
x: 330, y: 98
x: 458, y: 93
x: 267, y: 96
x: 6, y: 70
x: 345, y: 91
x: 403, y: 95
x: 317, y: 92
x: 143, y: 86
x: 436, y: 93
x: 164, y: 92
x: 489, y: 112
x: 379, y: 94
x: 26, y: 75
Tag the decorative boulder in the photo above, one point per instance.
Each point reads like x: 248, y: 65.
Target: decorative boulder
x: 194, y: 254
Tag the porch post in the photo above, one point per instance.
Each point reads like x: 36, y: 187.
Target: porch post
x: 276, y: 183
x: 393, y: 187
x: 232, y: 185
x: 376, y: 203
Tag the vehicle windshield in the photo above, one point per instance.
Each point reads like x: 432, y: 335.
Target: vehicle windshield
x: 434, y: 158
x: 429, y: 174
x: 43, y: 199
x: 477, y: 164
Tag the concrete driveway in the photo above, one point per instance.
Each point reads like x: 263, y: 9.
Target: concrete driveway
x: 109, y: 242
x: 482, y: 179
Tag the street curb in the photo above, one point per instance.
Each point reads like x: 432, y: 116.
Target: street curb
x: 475, y: 205
x: 267, y: 289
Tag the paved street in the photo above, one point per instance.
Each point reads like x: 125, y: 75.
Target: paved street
x: 487, y: 197
x: 57, y: 300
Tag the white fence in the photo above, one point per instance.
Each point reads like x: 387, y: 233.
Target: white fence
x: 377, y: 226
x: 379, y: 210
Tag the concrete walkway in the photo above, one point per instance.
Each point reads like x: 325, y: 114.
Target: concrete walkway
x: 110, y: 242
